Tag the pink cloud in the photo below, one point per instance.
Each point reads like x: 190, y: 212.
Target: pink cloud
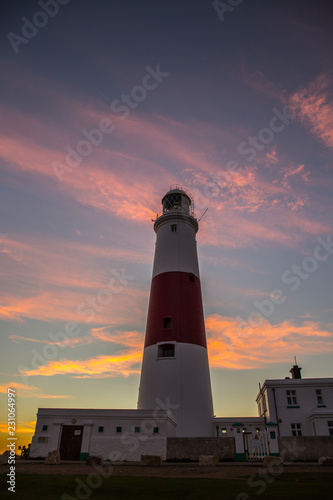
x: 313, y: 105
x: 57, y: 278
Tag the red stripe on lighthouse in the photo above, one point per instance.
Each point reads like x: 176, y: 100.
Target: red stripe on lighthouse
x: 175, y: 310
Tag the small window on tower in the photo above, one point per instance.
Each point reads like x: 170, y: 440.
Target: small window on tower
x: 166, y: 323
x: 173, y: 228
x: 101, y: 428
x: 191, y: 277
x: 166, y: 351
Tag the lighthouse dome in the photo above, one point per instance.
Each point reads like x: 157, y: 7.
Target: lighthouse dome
x: 178, y: 199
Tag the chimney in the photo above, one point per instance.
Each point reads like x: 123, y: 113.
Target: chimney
x: 296, y: 371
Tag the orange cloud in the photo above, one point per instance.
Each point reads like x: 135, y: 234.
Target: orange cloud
x: 231, y: 346
x: 29, y: 391
x: 22, y: 427
x: 314, y: 107
x: 124, y: 363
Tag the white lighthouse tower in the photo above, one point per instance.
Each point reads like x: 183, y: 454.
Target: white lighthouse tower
x: 175, y: 365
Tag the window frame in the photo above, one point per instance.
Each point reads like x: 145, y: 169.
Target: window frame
x: 319, y: 396
x: 291, y: 398
x: 296, y: 429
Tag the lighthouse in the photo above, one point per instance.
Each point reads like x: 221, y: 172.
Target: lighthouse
x: 175, y: 367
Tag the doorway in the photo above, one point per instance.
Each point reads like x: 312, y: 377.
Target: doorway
x: 70, y: 444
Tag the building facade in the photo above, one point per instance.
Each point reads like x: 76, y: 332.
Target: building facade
x: 300, y: 407
x: 175, y: 399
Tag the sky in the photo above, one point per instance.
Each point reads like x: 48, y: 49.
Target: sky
x: 104, y: 105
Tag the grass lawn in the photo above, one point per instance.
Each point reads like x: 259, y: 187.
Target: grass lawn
x: 298, y: 486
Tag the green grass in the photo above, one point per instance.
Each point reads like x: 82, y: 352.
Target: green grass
x: 298, y: 486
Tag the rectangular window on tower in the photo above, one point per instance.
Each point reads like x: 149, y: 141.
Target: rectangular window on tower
x: 166, y: 323
x: 166, y: 351
x: 173, y: 228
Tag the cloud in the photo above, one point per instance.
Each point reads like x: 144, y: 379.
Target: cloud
x: 52, y: 279
x: 314, y: 107
x: 22, y: 427
x: 231, y: 346
x: 29, y: 391
x: 123, y: 363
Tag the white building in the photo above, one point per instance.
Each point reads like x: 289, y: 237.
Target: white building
x: 300, y: 407
x: 116, y: 435
x: 175, y: 399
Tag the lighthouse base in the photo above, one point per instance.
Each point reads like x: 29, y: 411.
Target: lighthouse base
x: 182, y: 384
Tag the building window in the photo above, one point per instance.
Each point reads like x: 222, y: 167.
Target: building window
x: 43, y: 439
x: 173, y: 228
x: 272, y: 435
x: 100, y: 428
x: 191, y: 277
x: 291, y: 398
x: 136, y: 429
x: 118, y: 429
x: 320, y: 401
x: 296, y: 429
x: 166, y: 351
x: 45, y: 427
x: 330, y: 427
x: 166, y: 323
x: 155, y: 430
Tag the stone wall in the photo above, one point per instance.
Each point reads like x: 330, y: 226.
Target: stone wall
x: 191, y: 448
x: 305, y: 448
x: 127, y: 448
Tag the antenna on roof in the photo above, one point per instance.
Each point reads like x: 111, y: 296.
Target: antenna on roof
x: 202, y: 215
x: 295, y: 360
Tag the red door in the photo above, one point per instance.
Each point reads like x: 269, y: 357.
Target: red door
x: 70, y: 444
